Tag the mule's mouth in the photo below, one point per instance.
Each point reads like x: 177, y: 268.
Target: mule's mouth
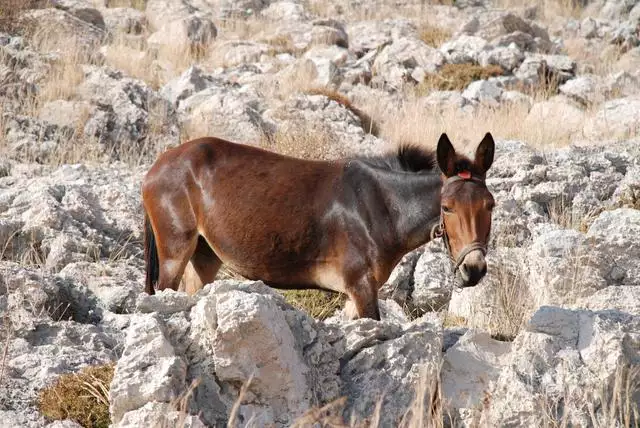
x: 466, y: 281
x: 471, y: 270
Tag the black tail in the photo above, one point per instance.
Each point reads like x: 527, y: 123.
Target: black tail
x: 151, y: 261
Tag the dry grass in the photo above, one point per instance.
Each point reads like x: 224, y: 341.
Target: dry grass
x: 596, y: 58
x: 503, y: 310
x: 548, y: 10
x: 306, y: 140
x: 374, y: 10
x: 134, y: 4
x: 426, y: 410
x: 561, y: 213
x: 612, y: 404
x: 319, y: 304
x: 416, y: 122
x: 432, y: 35
x: 11, y: 10
x: 82, y: 397
x: 456, y: 77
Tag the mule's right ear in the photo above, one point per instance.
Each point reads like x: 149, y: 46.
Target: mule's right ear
x: 446, y: 155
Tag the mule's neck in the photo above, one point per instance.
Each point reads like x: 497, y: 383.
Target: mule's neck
x: 414, y: 201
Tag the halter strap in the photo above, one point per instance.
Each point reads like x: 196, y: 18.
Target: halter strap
x: 438, y: 230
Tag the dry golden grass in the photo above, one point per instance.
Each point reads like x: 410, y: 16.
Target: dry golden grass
x: 134, y: 4
x: 612, y: 404
x: 548, y: 10
x: 11, y: 10
x: 599, y: 59
x: 426, y: 410
x: 317, y: 303
x: 82, y: 397
x: 561, y: 213
x: 306, y: 141
x: 349, y: 11
x: 456, y: 77
x: 432, y: 35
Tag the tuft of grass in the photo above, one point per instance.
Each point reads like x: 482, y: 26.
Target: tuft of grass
x: 82, y: 397
x: 456, y: 77
x: 11, y: 11
x: 306, y: 141
x: 134, y: 4
x: 426, y: 410
x: 319, y: 304
x: 432, y: 35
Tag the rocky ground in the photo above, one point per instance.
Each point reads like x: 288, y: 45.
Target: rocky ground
x: 92, y: 90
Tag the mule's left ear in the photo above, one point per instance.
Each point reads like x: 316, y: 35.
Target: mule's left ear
x: 484, y: 153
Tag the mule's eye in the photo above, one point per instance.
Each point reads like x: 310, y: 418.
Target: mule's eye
x: 447, y: 210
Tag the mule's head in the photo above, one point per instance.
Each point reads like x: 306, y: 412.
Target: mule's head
x: 466, y: 206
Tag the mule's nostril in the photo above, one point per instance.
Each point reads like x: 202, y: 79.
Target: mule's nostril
x: 464, y: 272
x: 483, y: 271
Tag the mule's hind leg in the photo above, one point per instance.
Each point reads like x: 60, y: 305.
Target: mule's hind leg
x: 205, y: 265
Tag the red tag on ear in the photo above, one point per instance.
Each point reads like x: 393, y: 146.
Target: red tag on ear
x: 464, y: 174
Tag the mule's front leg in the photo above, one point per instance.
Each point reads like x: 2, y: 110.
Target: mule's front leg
x: 363, y: 299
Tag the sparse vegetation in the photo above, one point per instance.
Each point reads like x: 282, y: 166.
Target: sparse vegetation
x: 456, y: 77
x: 134, y: 4
x: 319, y: 304
x: 82, y: 397
x: 433, y: 36
x: 11, y: 12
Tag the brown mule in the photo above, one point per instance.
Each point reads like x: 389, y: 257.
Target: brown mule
x: 339, y: 225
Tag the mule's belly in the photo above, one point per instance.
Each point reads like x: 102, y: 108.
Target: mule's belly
x: 281, y: 271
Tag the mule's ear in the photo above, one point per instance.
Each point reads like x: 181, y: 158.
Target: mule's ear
x: 446, y: 155
x: 484, y: 153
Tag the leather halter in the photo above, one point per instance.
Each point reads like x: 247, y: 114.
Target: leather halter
x: 439, y: 231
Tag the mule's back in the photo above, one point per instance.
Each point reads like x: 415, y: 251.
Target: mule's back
x: 260, y: 212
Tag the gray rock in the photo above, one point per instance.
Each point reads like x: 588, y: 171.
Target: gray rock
x: 365, y: 36
x: 66, y: 26
x: 280, y: 11
x: 83, y: 10
x: 586, y: 89
x: 615, y: 239
x: 561, y: 119
x: 561, y: 356
x: 623, y: 298
x: 494, y: 26
x: 507, y: 57
x: 193, y: 80
x: 398, y: 60
x: 124, y: 20
x: 469, y: 369
x: 615, y: 119
x: 483, y: 91
x: 464, y: 49
x: 561, y: 268
x: 433, y: 278
x: 400, y: 283
x: 149, y: 369
x: 225, y: 111
x: 393, y: 361
x: 155, y: 414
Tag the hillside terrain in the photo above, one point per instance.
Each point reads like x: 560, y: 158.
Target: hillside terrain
x: 92, y: 91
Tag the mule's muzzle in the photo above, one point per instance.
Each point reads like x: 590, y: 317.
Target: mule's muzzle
x: 473, y: 268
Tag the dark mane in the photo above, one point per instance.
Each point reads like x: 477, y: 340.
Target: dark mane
x: 407, y: 157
